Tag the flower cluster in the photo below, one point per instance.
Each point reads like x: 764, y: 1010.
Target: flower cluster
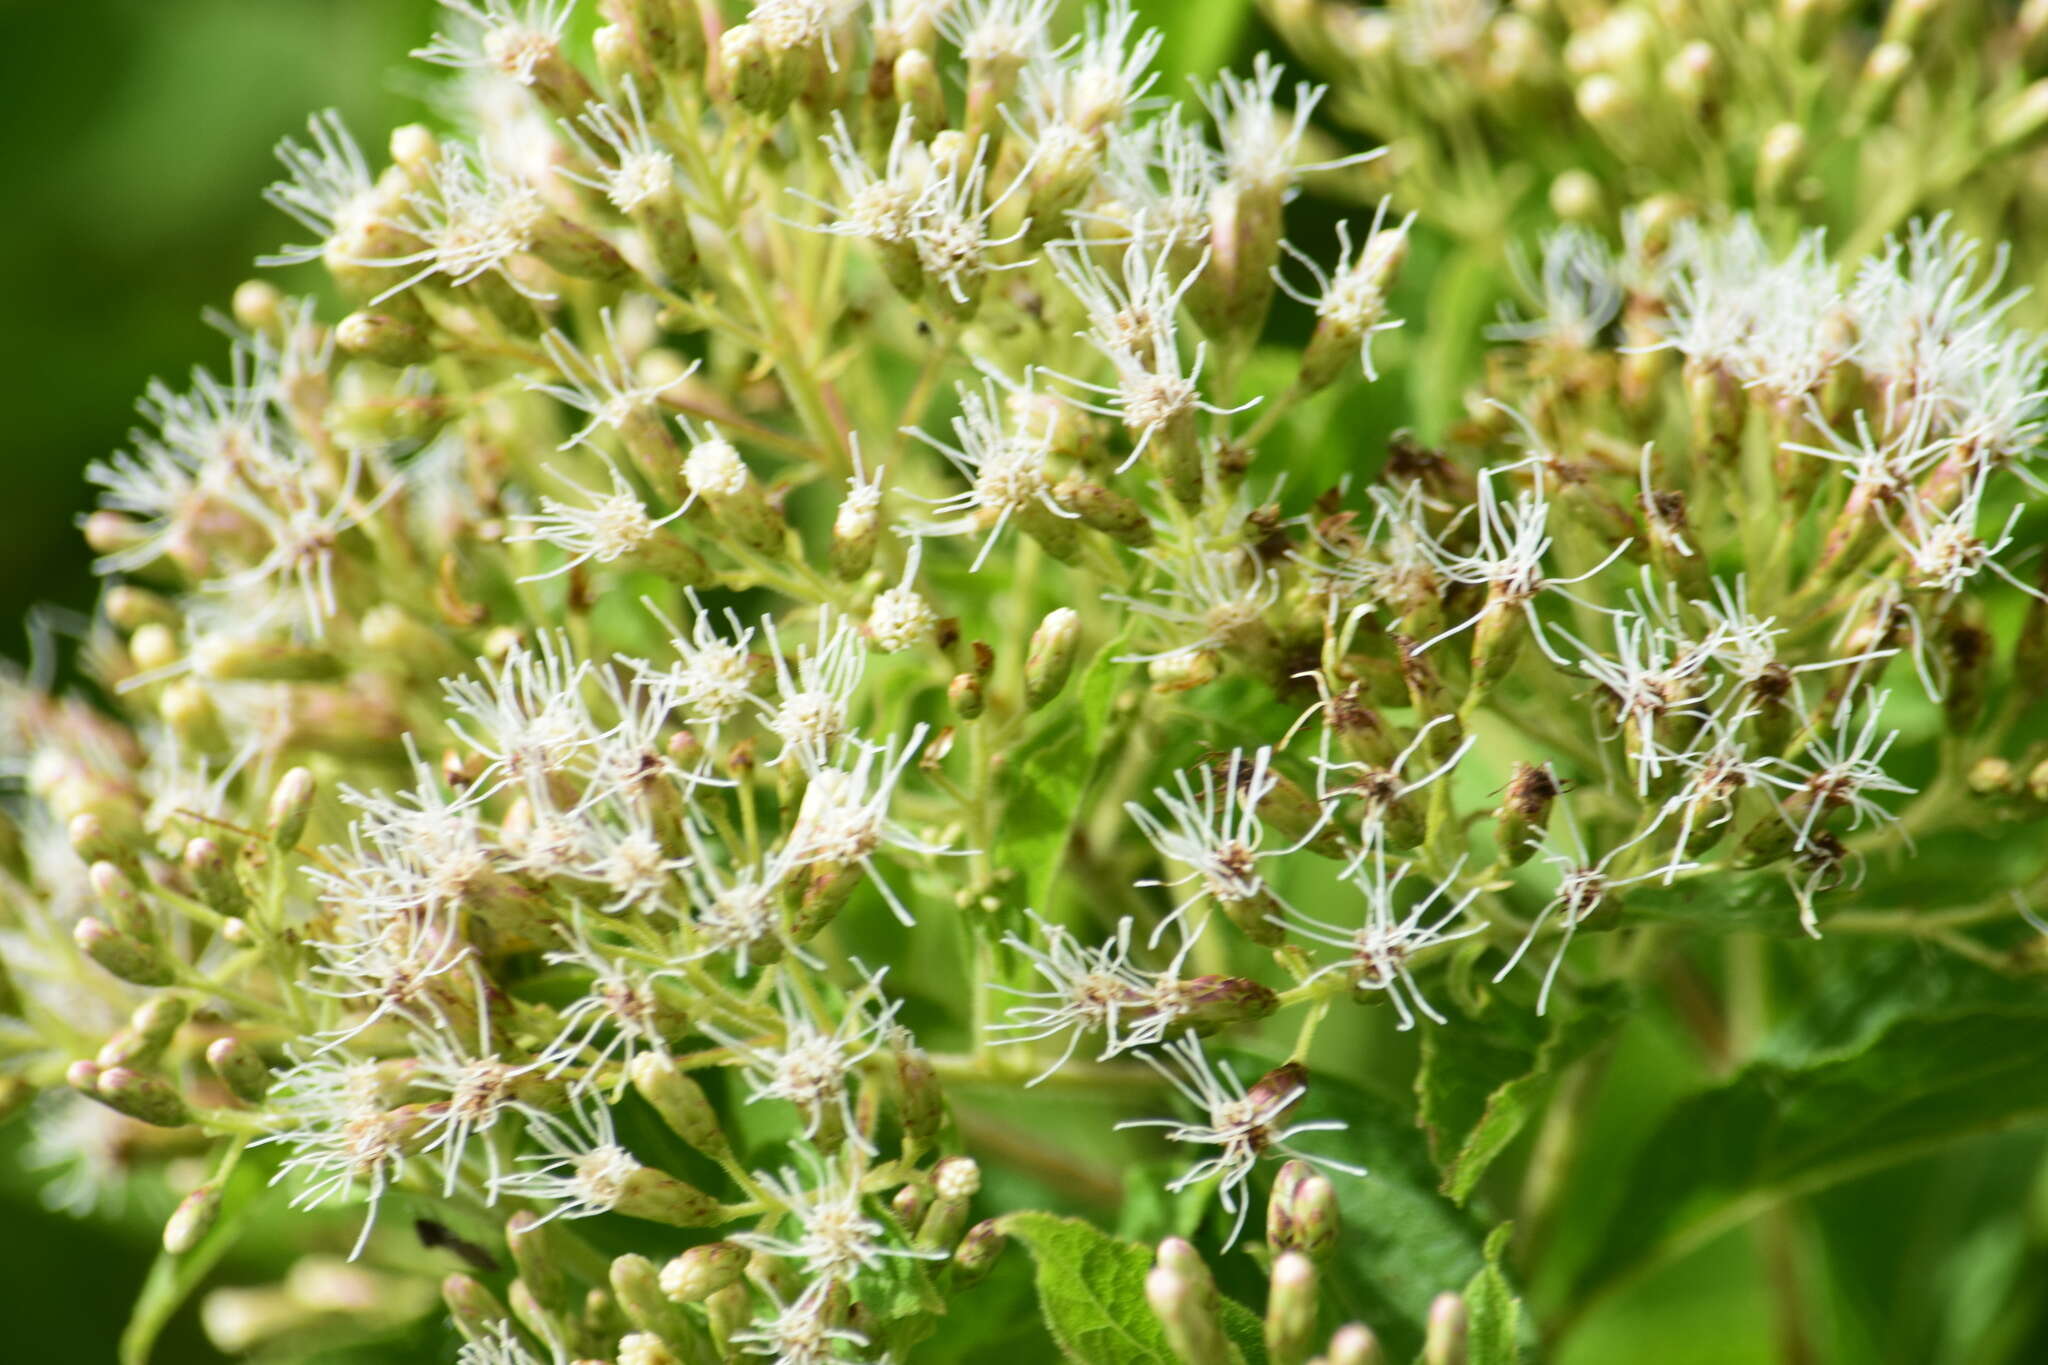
x: 805, y: 598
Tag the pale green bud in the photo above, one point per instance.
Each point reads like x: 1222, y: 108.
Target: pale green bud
x: 702, y: 1271
x: 977, y: 1254
x: 1780, y: 161
x: 214, y: 876
x: 1355, y: 1344
x: 150, y: 1030
x: 121, y: 955
x: 1291, y: 1309
x: 240, y: 1069
x: 291, y: 805
x: 192, y: 1219
x: 383, y: 338
x: 1448, y: 1327
x: 1184, y: 1298
x: 1051, y: 659
x: 474, y: 1309
x: 680, y: 1101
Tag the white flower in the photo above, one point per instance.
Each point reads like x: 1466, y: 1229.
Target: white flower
x: 501, y: 35
x: 813, y: 690
x: 633, y: 166
x: 1243, y: 1125
x: 581, y: 1171
x: 330, y: 191
x: 606, y: 528
x: 1217, y: 598
x: 501, y: 1345
x: 881, y: 206
x: 1162, y: 178
x: 1003, y: 462
x: 900, y: 618
x: 1380, y: 953
x: 1092, y: 990
x: 527, y: 714
x: 1351, y: 296
x: 800, y: 1333
x: 1261, y: 146
x: 1379, y: 790
x: 602, y: 388
x: 836, y: 1239
x: 1216, y: 834
x: 623, y: 1000
x: 712, y: 679
x: 1845, y: 769
x: 1002, y: 31
x: 480, y: 1089
x: 477, y: 219
x: 1944, y: 551
x: 949, y: 224
x: 342, y: 1136
x: 1096, y: 80
x: 844, y: 816
x: 738, y: 912
x: 1577, y: 292
x: 811, y: 1066
x: 1584, y: 885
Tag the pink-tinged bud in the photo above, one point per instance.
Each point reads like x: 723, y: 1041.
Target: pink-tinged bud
x: 1302, y: 1214
x: 194, y: 1217
x: 543, y: 1260
x: 976, y: 1255
x: 703, y: 1271
x: 1122, y: 519
x: 474, y: 1309
x: 126, y: 910
x: 1183, y: 1295
x: 1207, y: 1003
x: 150, y: 1030
x: 909, y: 1204
x: 146, y: 1099
x: 966, y: 696
x: 728, y: 1312
x: 1291, y: 1309
x: 1993, y: 776
x: 1354, y: 1344
x: 123, y: 957
x: 240, y: 1069
x: 920, y: 1105
x: 1448, y: 1327
x: 214, y: 876
x: 659, y: 1197
x: 93, y: 844
x: 83, y: 1076
x: 638, y: 1288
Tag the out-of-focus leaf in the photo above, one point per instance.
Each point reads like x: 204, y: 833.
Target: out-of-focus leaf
x: 1198, y: 39
x: 1091, y: 1288
x: 1782, y: 1127
x: 1495, y: 1313
x: 1479, y: 1085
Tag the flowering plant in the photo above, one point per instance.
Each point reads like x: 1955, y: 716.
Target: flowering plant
x: 843, y: 636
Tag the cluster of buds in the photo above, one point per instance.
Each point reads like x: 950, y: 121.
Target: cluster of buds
x: 806, y: 499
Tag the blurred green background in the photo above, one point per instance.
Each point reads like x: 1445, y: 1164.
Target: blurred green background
x: 138, y: 136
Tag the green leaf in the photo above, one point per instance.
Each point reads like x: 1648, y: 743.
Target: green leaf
x: 1047, y: 789
x: 1759, y: 901
x: 1483, y: 1079
x: 1091, y: 1288
x: 172, y: 1279
x: 1495, y: 1313
x: 1198, y: 49
x: 1911, y: 1083
x: 1462, y: 295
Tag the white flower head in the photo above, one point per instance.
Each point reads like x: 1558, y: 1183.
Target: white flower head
x: 812, y: 1064
x: 581, y: 1170
x: 1245, y: 1125
x: 1216, y: 833
x: 1091, y: 990
x: 844, y: 818
x: 507, y: 36
x: 605, y: 528
x: 1004, y: 463
x: 1380, y: 952
x: 836, y: 1239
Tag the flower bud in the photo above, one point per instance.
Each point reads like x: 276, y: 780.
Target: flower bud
x: 916, y: 81
x: 542, y: 1259
x: 717, y: 476
x: 728, y: 1312
x: 1122, y: 519
x: 703, y: 1271
x: 1051, y: 659
x: 1883, y: 71
x: 1993, y: 776
x: 383, y: 338
x: 756, y: 77
x: 291, y: 805
x: 920, y: 1107
x: 1354, y: 1344
x: 93, y: 844
x: 976, y: 1255
x: 192, y: 1219
x: 1208, y: 1003
x: 146, y: 1099
x: 150, y: 1030
x: 1183, y: 1295
x: 1302, y: 1214
x: 474, y: 1309
x: 122, y: 956
x: 955, y: 1182
x: 1780, y: 161
x: 240, y: 1069
x: 224, y: 658
x: 1291, y: 1309
x: 680, y: 1101
x: 126, y: 910
x: 214, y: 876
x: 639, y: 1290
x: 645, y: 1348
x: 257, y: 306
x: 659, y: 1197
x: 966, y: 696
x: 1431, y: 699
x: 1448, y: 1326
